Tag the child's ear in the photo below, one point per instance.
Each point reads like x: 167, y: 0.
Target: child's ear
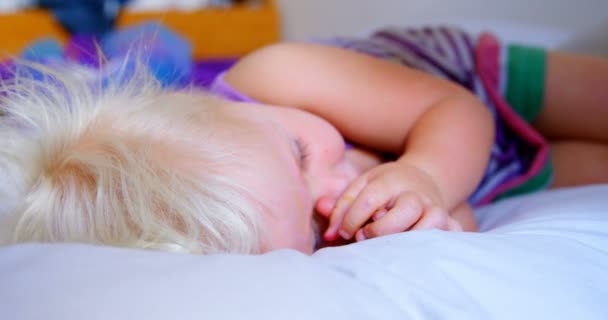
x: 325, y: 205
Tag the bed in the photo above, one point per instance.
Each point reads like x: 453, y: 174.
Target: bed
x: 542, y: 256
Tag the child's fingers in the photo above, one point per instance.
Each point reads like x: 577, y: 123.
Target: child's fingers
x: 343, y: 204
x: 359, y: 235
x: 379, y: 214
x: 406, y: 212
x: 375, y: 196
x: 433, y: 218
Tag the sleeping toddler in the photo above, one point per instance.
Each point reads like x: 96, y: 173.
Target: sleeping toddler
x: 299, y: 145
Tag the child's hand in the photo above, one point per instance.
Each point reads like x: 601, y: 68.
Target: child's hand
x: 390, y: 198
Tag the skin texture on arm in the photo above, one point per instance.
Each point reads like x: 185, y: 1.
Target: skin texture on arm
x: 436, y: 126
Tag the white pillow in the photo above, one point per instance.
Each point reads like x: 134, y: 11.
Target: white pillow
x: 542, y: 257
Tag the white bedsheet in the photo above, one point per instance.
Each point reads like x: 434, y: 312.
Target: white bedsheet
x: 540, y: 257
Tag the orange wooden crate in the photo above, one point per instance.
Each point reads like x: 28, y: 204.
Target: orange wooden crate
x: 214, y: 32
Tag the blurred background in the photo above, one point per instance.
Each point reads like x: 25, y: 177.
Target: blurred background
x: 196, y: 38
x: 576, y: 25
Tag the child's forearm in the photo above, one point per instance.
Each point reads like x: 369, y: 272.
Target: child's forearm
x: 451, y: 142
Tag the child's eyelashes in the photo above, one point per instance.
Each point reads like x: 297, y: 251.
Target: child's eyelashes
x: 303, y: 152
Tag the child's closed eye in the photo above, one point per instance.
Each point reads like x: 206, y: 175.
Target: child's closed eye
x: 303, y: 153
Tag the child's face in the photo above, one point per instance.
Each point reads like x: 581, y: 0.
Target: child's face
x: 296, y: 159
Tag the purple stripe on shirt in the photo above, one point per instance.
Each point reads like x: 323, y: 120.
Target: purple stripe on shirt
x: 416, y: 50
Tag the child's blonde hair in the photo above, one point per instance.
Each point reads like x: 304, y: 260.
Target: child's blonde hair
x: 121, y: 162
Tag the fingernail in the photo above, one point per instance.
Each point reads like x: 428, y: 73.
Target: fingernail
x: 379, y: 214
x: 360, y: 236
x: 344, y: 234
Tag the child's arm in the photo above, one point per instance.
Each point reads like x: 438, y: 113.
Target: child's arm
x: 443, y: 132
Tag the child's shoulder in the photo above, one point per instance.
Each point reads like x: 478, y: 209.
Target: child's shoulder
x: 286, y: 56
